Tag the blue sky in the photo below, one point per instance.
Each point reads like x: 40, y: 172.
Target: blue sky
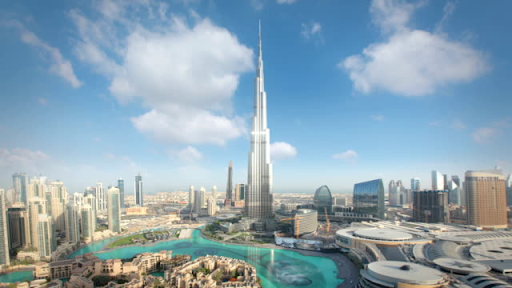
x: 96, y: 90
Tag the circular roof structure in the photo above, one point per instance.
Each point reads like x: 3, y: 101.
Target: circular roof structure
x: 456, y: 239
x: 405, y: 272
x: 382, y: 234
x: 461, y: 266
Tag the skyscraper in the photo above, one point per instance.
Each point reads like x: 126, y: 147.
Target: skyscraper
x: 17, y: 220
x: 415, y: 184
x: 486, y: 198
x: 4, y: 233
x: 211, y: 206
x: 214, y: 193
x: 45, y: 236
x: 101, y: 197
x: 199, y: 200
x: 58, y: 205
x: 239, y: 192
x: 88, y: 223
x: 114, y: 210
x: 20, y: 183
x: 36, y: 207
x: 369, y: 198
x: 120, y: 186
x: 139, y: 194
x: 430, y: 206
x: 454, y: 190
x: 392, y: 195
x: 91, y: 201
x: 259, y: 200
x: 72, y: 222
x: 229, y: 186
x: 191, y: 197
x: 437, y: 180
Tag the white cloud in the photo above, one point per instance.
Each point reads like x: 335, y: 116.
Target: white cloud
x: 42, y: 101
x: 378, y: 117
x: 484, y: 135
x: 286, y: 1
x: 458, y: 124
x: 20, y: 159
x: 110, y: 156
x: 282, y: 150
x: 411, y: 62
x: 257, y: 4
x: 448, y: 10
x: 349, y: 156
x: 184, y: 74
x: 58, y: 64
x: 189, y: 155
x: 311, y: 29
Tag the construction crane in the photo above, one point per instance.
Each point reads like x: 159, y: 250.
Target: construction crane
x: 328, y: 228
x: 297, y: 226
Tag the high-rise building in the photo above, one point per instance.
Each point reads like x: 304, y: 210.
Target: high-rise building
x: 139, y: 192
x: 437, y: 180
x: 486, y: 198
x: 191, y: 195
x: 430, y: 206
x: 199, y: 200
x: 88, y: 223
x: 369, y: 198
x: 37, y: 188
x: 58, y: 205
x: 17, y: 220
x: 36, y: 207
x: 120, y: 186
x: 72, y: 222
x: 4, y: 231
x: 211, y: 206
x: 323, y: 200
x: 78, y: 199
x: 214, y: 193
x: 259, y: 199
x: 239, y: 192
x: 101, y: 197
x: 345, y: 200
x: 415, y: 184
x: 20, y: 183
x: 229, y: 186
x: 114, y: 210
x: 509, y: 190
x: 91, y: 201
x: 45, y: 236
x: 509, y: 181
x: 392, y: 193
x: 454, y: 191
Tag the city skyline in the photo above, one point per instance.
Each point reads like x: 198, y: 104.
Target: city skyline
x: 324, y: 72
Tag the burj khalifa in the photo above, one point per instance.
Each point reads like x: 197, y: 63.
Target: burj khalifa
x: 259, y: 200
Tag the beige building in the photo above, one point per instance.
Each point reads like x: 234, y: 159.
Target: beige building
x: 486, y: 198
x: 137, y: 210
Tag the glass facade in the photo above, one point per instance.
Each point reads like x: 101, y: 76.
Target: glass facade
x: 369, y: 198
x: 323, y: 199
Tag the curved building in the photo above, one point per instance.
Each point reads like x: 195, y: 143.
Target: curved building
x: 369, y: 198
x: 400, y: 274
x: 323, y: 199
x: 308, y: 221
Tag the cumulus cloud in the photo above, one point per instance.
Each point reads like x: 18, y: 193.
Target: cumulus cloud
x: 184, y: 73
x: 20, y: 159
x: 282, y: 150
x: 311, y: 29
x: 286, y: 1
x: 484, y: 135
x: 411, y: 62
x: 349, y: 156
x: 189, y: 155
x: 58, y: 64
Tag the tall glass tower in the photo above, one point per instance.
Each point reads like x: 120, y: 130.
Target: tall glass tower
x: 258, y: 203
x: 4, y: 239
x: 138, y: 191
x: 120, y: 186
x: 114, y: 210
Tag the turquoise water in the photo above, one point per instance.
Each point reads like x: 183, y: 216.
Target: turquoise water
x: 18, y: 276
x: 276, y: 268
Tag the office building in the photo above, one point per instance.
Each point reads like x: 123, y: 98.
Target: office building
x: 509, y: 190
x: 199, y: 200
x: 306, y: 221
x: 437, y: 180
x: 453, y: 192
x: 91, y: 201
x: 20, y: 183
x: 415, y: 184
x: 369, y: 198
x: 214, y: 193
x: 4, y: 231
x: 229, y: 186
x: 211, y: 206
x: 45, y: 236
x: 37, y: 188
x: 259, y: 199
x: 323, y: 200
x: 78, y: 199
x: 430, y: 206
x: 191, y: 194
x: 17, y: 221
x: 239, y: 192
x: 120, y: 186
x: 139, y: 192
x: 486, y: 198
x: 88, y: 223
x: 345, y: 201
x: 73, y: 222
x: 392, y: 196
x: 114, y: 210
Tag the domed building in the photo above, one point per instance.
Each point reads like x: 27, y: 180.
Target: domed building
x: 323, y: 199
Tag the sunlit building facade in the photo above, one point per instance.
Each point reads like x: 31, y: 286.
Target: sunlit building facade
x: 369, y: 198
x: 486, y: 198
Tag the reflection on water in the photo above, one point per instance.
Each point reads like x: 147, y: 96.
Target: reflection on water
x: 276, y: 268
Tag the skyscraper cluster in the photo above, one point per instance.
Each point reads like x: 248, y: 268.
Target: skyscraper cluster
x: 35, y: 212
x: 200, y: 204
